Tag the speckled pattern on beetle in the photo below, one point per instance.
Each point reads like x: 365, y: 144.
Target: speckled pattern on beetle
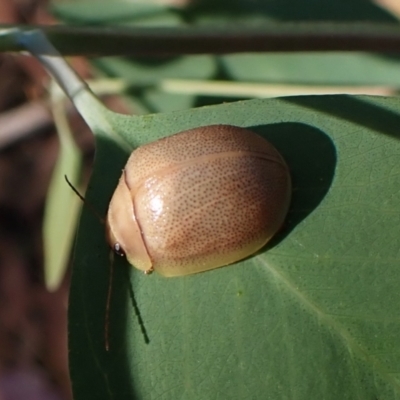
x: 198, y: 200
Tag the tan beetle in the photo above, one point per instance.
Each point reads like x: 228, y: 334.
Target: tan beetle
x: 198, y: 200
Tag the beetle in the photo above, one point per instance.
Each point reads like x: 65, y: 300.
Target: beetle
x: 198, y: 200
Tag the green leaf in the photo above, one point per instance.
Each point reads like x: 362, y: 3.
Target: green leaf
x: 94, y: 12
x: 313, y: 316
x: 145, y: 72
x: 321, y: 69
x: 62, y: 204
x: 145, y: 75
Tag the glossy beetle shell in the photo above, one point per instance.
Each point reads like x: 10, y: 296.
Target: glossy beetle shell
x: 198, y: 200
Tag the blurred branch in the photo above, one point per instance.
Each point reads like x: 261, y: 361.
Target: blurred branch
x: 24, y: 121
x: 260, y: 90
x: 275, y: 37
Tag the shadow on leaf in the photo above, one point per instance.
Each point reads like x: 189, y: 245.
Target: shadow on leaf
x: 311, y: 157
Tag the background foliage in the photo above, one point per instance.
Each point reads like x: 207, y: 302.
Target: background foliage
x: 312, y: 316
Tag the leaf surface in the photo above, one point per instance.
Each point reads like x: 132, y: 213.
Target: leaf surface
x: 314, y: 315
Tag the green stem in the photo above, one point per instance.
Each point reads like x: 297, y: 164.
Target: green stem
x: 39, y: 46
x: 92, y: 110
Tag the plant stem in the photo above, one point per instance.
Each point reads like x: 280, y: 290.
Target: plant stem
x: 276, y: 37
x: 92, y: 110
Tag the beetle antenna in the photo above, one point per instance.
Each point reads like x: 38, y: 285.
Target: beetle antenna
x: 85, y: 202
x: 111, y: 272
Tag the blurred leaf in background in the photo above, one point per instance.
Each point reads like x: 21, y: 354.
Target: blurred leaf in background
x: 312, y: 316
